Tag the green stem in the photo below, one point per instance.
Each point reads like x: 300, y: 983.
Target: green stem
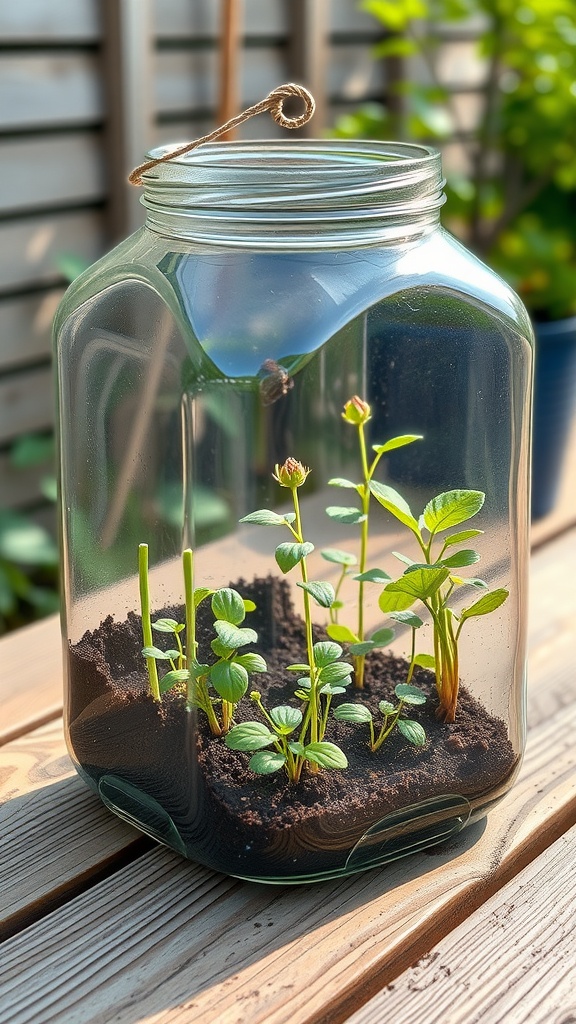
x: 412, y: 656
x: 385, y: 732
x: 360, y: 659
x: 146, y: 622
x: 308, y: 622
x: 191, y: 645
x: 334, y: 611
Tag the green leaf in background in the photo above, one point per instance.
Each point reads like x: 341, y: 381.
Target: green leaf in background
x: 342, y: 633
x: 338, y: 557
x: 345, y: 514
x: 25, y: 542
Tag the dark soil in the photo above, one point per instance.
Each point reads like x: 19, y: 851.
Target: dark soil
x: 262, y: 826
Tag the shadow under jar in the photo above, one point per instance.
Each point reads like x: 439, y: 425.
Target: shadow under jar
x: 294, y: 447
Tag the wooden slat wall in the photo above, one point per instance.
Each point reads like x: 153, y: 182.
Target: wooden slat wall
x: 56, y: 165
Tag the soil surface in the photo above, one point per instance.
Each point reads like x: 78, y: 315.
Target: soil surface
x: 263, y: 826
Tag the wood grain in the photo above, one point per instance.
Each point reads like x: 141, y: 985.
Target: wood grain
x: 49, y: 90
x: 26, y: 403
x: 25, y: 329
x: 30, y: 678
x: 31, y: 249
x: 511, y: 962
x: 164, y: 941
x: 54, y: 833
x: 59, y: 169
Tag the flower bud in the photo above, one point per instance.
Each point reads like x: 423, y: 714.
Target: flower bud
x: 291, y: 474
x: 356, y: 411
x: 254, y: 695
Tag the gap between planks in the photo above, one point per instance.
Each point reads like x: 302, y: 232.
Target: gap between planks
x: 511, y: 962
x: 163, y: 940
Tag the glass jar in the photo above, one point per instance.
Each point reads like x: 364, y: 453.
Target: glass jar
x: 294, y: 445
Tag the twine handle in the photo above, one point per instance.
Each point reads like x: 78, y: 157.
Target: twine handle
x: 273, y: 102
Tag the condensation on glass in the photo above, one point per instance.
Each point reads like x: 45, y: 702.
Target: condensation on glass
x: 272, y: 283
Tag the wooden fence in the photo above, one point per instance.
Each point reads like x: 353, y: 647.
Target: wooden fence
x: 86, y: 86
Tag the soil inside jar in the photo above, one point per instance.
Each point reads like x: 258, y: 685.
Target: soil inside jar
x: 264, y: 826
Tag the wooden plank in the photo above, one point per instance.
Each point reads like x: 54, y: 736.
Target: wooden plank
x: 25, y: 328
x: 309, y: 56
x: 79, y: 837
x: 519, y: 945
x: 51, y: 170
x: 563, y: 514
x: 26, y: 403
x: 33, y: 656
x: 18, y: 486
x: 180, y: 19
x: 34, y: 21
x: 186, y: 80
x: 32, y: 249
x: 165, y: 941
x: 41, y: 90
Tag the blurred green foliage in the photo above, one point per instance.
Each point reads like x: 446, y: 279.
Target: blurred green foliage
x: 515, y: 203
x: 28, y: 554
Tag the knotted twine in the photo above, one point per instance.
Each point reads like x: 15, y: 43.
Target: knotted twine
x: 273, y: 102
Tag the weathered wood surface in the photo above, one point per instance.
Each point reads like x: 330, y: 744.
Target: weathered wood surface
x: 30, y: 678
x: 31, y: 250
x: 163, y: 940
x: 233, y: 953
x: 520, y: 945
x: 26, y: 328
x: 55, y: 834
x: 59, y: 169
x: 26, y: 403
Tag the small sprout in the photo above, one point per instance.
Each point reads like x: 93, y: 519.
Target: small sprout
x: 393, y: 716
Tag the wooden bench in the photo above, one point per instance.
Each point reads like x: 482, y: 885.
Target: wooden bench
x: 101, y: 926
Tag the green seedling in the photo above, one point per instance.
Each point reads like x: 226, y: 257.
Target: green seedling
x: 433, y: 581
x: 284, y: 731
x: 323, y: 674
x: 357, y: 413
x: 393, y: 717
x: 228, y: 676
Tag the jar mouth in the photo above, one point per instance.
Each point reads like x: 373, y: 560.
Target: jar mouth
x: 337, y: 190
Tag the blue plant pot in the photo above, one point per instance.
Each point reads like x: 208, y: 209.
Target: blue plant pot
x: 554, y: 403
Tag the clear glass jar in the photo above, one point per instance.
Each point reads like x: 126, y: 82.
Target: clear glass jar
x: 292, y: 376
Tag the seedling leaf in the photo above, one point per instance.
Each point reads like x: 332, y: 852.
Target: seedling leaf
x: 342, y: 633
x: 394, y: 503
x: 467, y: 556
x: 227, y: 604
x: 353, y: 713
x: 345, y: 514
x: 412, y: 731
x: 264, y: 517
x: 200, y: 593
x: 458, y: 538
x: 165, y: 625
x: 373, y: 576
x: 230, y: 680
x: 336, y: 672
x: 338, y: 557
x: 382, y: 637
x: 361, y: 648
x: 155, y: 652
x: 488, y: 603
x: 326, y: 652
x: 286, y: 719
x: 410, y: 618
x: 323, y: 593
x: 327, y: 755
x: 340, y: 481
x: 265, y: 762
x: 288, y: 555
x: 425, y: 661
x: 451, y: 508
x: 249, y: 736
x: 409, y: 694
x: 232, y: 636
x: 179, y: 675
x: 421, y: 582
x: 396, y: 442
x: 252, y: 662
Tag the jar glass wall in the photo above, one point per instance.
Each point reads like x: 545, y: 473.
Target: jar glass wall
x: 293, y: 375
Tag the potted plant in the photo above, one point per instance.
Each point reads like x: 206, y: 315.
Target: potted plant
x: 513, y: 197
